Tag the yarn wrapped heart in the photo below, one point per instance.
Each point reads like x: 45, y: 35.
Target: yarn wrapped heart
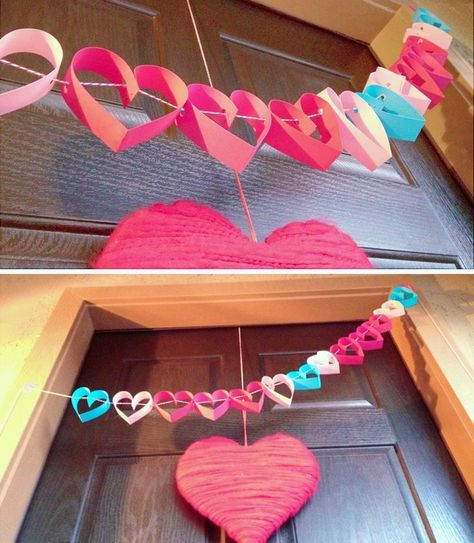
x: 249, y: 491
x: 188, y: 235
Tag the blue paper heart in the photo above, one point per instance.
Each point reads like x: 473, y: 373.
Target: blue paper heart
x: 399, y: 118
x: 301, y: 379
x: 97, y: 395
x: 422, y: 15
x: 404, y: 295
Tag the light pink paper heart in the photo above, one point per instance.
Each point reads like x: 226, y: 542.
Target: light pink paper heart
x: 213, y: 405
x: 188, y: 235
x: 30, y: 40
x: 269, y: 385
x: 362, y: 132
x: 212, y: 132
x: 111, y: 66
x: 249, y: 491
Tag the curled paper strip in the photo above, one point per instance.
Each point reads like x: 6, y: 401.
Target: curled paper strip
x: 430, y: 33
x: 399, y: 84
x: 111, y: 66
x: 399, y: 118
x: 212, y: 132
x: 348, y: 350
x: 362, y: 133
x: 422, y: 15
x: 30, y: 40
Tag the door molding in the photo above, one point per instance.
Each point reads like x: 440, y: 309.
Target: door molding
x: 56, y: 359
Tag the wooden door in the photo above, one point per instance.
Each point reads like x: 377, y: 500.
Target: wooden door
x: 386, y: 475
x: 63, y: 191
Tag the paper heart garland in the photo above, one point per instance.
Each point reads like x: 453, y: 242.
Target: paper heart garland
x: 212, y: 132
x: 111, y: 66
x: 30, y: 40
x: 248, y: 491
x: 188, y: 235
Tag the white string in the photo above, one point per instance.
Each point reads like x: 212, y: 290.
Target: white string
x: 244, y: 413
x: 196, y: 31
x: 161, y: 100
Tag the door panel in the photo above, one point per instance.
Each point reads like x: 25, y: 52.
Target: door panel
x: 410, y: 212
x: 386, y: 475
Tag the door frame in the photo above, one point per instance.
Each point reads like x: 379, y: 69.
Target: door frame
x: 56, y: 359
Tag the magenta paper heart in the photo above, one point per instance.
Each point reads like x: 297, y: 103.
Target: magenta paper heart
x: 370, y: 339
x: 30, y: 40
x: 249, y: 491
x: 111, y: 66
x: 294, y: 138
x: 348, y: 351
x: 382, y: 323
x: 242, y: 399
x: 188, y: 235
x: 212, y: 131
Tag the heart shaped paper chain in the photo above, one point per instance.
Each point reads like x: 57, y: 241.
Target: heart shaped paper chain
x: 111, y: 66
x: 248, y: 491
x: 213, y: 134
x: 188, y: 235
x: 30, y: 40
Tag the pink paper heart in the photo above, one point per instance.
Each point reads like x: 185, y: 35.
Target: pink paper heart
x: 294, y: 138
x: 212, y: 132
x: 111, y: 66
x: 348, y: 351
x: 370, y: 339
x: 249, y: 491
x: 188, y: 235
x: 177, y: 405
x: 212, y: 406
x: 30, y: 40
x: 242, y: 399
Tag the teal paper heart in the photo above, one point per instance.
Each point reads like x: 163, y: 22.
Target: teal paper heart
x: 404, y: 295
x: 94, y: 396
x: 306, y: 378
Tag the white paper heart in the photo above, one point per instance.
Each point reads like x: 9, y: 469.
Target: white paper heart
x: 326, y: 363
x: 134, y: 402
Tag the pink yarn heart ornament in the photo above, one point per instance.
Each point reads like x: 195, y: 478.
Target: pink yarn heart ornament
x: 248, y: 491
x: 192, y: 236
